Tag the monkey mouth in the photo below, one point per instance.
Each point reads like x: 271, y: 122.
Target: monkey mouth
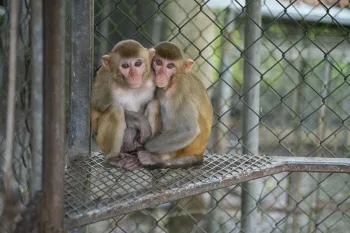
x: 134, y: 85
x: 161, y: 84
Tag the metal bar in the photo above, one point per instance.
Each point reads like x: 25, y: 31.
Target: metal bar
x: 36, y: 28
x: 222, y: 94
x: 54, y: 64
x: 300, y: 11
x: 314, y: 161
x: 224, y: 88
x: 82, y: 22
x: 251, y: 100
x: 81, y: 76
x: 10, y: 200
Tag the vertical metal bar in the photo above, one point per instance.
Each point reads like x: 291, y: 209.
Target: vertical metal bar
x: 321, y: 131
x: 321, y: 121
x: 225, y: 84
x: 82, y: 33
x: 53, y: 184
x: 157, y: 29
x: 36, y: 32
x: 103, y: 28
x: 294, y: 179
x: 82, y: 72
x: 251, y: 99
x: 8, y: 180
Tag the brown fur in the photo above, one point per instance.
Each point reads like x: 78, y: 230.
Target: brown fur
x: 194, y: 90
x: 128, y: 48
x: 110, y: 98
x: 185, y: 100
x: 169, y: 52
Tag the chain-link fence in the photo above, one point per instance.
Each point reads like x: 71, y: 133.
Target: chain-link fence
x: 20, y: 177
x: 277, y: 74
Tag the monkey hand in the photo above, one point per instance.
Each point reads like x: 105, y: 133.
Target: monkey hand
x: 130, y: 142
x: 124, y: 160
x: 145, y: 131
x: 140, y: 123
x: 147, y: 159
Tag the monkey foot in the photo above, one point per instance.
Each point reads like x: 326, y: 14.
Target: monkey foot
x: 124, y: 160
x: 147, y: 159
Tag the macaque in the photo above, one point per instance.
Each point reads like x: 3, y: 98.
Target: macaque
x: 122, y: 103
x: 186, y: 112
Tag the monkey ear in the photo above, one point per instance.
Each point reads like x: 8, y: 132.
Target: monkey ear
x: 106, y: 61
x: 151, y: 52
x: 187, y: 65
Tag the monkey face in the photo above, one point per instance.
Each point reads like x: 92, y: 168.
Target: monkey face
x: 164, y: 70
x: 133, y: 70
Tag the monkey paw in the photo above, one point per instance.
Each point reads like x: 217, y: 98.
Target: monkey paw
x: 124, y: 160
x: 146, y: 158
x: 145, y: 131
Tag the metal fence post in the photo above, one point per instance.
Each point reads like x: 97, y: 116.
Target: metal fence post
x: 53, y: 184
x: 82, y: 34
x: 225, y: 84
x: 37, y: 95
x: 81, y: 76
x: 251, y: 99
x: 10, y: 200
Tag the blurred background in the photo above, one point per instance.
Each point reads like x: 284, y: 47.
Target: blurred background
x: 278, y: 81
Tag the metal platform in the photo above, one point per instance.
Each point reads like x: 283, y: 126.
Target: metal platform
x: 94, y: 192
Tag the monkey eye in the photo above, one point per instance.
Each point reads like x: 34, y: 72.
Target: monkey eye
x: 125, y: 65
x: 170, y: 66
x: 138, y: 63
x: 158, y: 62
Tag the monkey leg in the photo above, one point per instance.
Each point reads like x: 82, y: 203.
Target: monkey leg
x: 111, y: 127
x: 168, y: 160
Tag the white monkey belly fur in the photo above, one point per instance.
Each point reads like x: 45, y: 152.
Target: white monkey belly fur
x: 133, y: 99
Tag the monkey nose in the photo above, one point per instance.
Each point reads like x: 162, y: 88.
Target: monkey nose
x: 132, y: 73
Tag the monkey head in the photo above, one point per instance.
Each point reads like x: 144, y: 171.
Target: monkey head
x: 167, y: 61
x: 130, y: 62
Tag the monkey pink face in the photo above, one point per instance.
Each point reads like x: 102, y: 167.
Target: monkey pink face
x: 164, y: 70
x: 133, y: 70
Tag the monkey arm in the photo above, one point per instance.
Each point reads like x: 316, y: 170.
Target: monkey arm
x: 172, y: 140
x: 152, y: 113
x: 176, y: 138
x: 101, y: 96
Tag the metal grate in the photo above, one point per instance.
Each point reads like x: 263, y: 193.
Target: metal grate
x: 111, y: 189
x: 94, y: 191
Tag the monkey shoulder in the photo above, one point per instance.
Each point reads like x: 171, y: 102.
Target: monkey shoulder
x: 195, y: 93
x: 134, y: 99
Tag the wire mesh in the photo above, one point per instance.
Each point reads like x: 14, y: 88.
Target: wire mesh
x: 113, y: 190
x: 21, y: 145
x: 24, y: 200
x: 303, y: 109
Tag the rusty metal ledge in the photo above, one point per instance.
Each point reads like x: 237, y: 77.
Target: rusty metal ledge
x: 114, y: 192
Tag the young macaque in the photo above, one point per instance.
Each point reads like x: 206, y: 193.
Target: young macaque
x: 122, y: 105
x: 186, y: 112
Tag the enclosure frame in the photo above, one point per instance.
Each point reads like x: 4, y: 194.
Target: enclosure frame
x: 53, y: 166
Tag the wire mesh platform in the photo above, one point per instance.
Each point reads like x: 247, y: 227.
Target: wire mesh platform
x: 94, y: 191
